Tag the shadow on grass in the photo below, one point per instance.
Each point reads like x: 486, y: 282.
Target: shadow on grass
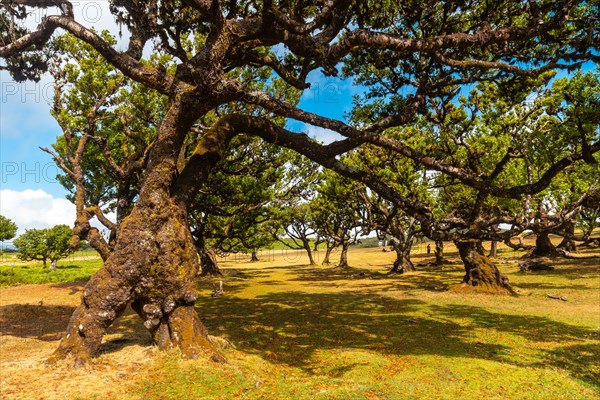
x: 551, y: 286
x: 530, y: 327
x: 48, y: 323
x: 41, y: 322
x: 289, y: 328
x: 130, y: 329
x: 582, y: 361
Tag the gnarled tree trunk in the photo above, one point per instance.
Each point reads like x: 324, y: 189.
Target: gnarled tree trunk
x: 402, y: 263
x: 481, y: 275
x: 153, y: 266
x: 254, y: 256
x: 543, y: 246
x: 154, y: 263
x: 209, y: 262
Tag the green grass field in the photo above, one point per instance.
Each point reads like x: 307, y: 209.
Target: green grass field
x: 301, y: 332
x: 78, y: 267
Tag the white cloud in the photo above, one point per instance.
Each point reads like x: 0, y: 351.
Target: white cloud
x: 38, y: 209
x: 35, y: 209
x: 323, y: 135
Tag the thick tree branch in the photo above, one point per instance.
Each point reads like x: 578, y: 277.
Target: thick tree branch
x: 152, y: 77
x: 485, y: 36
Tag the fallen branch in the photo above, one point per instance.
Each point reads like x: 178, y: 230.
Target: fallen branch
x: 563, y: 298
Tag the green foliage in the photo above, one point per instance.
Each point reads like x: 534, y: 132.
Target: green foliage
x: 338, y: 210
x: 8, y: 229
x: 44, y: 244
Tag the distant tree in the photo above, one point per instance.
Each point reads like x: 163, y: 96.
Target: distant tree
x: 339, y: 212
x: 298, y: 229
x: 45, y: 244
x: 8, y: 229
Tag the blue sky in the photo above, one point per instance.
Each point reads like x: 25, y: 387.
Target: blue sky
x: 29, y: 192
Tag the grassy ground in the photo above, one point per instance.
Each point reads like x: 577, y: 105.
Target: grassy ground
x: 301, y: 332
x: 78, y: 267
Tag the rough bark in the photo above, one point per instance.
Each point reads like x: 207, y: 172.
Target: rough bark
x: 153, y: 267
x: 344, y: 255
x: 481, y: 275
x: 254, y: 256
x: 209, y: 262
x: 543, y: 247
x: 402, y: 263
x: 493, y: 249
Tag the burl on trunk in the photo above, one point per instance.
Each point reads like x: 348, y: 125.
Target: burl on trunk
x: 154, y: 263
x: 153, y: 267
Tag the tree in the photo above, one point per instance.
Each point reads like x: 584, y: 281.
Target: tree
x: 571, y: 112
x: 32, y: 246
x: 338, y: 213
x: 236, y: 208
x: 430, y: 46
x: 387, y: 218
x: 45, y: 244
x: 299, y: 229
x: 8, y: 229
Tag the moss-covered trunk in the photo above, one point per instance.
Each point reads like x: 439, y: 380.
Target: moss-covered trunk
x: 155, y: 263
x: 153, y: 267
x: 481, y: 275
x: 402, y: 263
x: 543, y: 246
x: 209, y: 262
